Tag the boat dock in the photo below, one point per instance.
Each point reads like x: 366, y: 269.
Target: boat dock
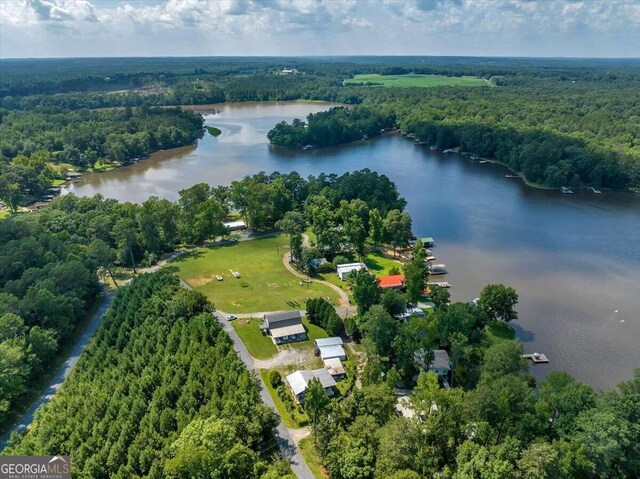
x: 536, y: 357
x: 442, y: 284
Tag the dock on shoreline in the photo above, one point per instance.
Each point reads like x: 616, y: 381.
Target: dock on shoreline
x: 537, y: 358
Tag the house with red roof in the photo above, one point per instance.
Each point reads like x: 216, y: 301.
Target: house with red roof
x: 395, y: 281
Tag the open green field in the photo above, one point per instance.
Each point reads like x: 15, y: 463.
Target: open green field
x: 265, y: 285
x: 259, y: 345
x: 410, y: 81
x: 380, y: 264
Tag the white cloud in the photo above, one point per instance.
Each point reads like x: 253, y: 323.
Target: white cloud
x: 558, y: 27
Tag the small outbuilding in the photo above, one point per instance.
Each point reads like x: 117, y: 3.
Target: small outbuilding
x: 235, y: 225
x: 335, y: 368
x: 323, y: 342
x: 330, y: 352
x: 441, y: 364
x: 299, y: 382
x: 344, y: 270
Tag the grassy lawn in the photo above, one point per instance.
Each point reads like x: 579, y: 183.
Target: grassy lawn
x: 4, y: 213
x: 408, y: 81
x: 258, y: 345
x: 58, y: 182
x: 293, y: 419
x: 498, y: 331
x: 380, y: 264
x: 265, y: 284
x: 312, y: 458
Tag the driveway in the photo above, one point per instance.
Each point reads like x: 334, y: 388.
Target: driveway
x: 285, y: 440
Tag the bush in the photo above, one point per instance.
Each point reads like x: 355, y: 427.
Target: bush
x: 340, y: 260
x: 352, y: 329
x: 326, y: 268
x: 394, y: 270
x: 275, y: 378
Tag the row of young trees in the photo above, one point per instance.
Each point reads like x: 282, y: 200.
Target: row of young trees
x: 159, y: 393
x: 51, y: 260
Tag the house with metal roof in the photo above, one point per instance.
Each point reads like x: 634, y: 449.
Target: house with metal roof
x: 329, y: 352
x: 299, y: 382
x: 284, y: 327
x: 335, y: 341
x: 335, y: 368
x: 235, y: 225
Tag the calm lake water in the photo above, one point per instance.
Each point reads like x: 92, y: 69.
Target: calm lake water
x: 574, y: 259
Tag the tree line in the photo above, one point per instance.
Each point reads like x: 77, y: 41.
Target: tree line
x: 159, y: 393
x: 332, y: 127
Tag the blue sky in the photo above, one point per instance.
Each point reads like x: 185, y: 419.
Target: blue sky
x: 55, y: 28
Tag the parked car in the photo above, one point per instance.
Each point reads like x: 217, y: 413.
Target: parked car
x: 218, y: 277
x: 235, y: 274
x: 231, y: 317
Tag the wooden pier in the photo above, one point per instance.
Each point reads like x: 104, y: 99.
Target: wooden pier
x: 536, y: 358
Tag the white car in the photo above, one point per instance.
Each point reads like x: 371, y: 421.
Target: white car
x: 218, y: 277
x: 232, y: 317
x: 235, y: 274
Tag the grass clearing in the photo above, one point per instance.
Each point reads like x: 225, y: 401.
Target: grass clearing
x: 380, y: 264
x: 265, y: 285
x: 259, y: 345
x: 411, y: 81
x: 312, y: 458
x: 498, y: 331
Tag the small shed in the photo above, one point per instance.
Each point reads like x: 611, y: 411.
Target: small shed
x: 335, y: 368
x: 343, y: 270
x: 441, y: 364
x: 335, y: 341
x: 330, y: 352
x: 235, y: 225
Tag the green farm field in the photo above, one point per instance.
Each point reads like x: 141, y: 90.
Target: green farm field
x: 265, y: 284
x: 410, y: 81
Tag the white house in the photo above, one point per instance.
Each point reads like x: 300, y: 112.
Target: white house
x: 344, y: 269
x: 299, y: 381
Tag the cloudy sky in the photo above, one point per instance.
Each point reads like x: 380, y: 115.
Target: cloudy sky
x: 54, y: 28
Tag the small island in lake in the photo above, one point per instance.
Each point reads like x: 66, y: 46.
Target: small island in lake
x: 213, y: 131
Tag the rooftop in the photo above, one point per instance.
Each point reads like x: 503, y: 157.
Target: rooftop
x: 299, y: 380
x: 393, y: 281
x: 286, y: 318
x: 332, y: 352
x: 440, y: 360
x: 323, y: 342
x: 348, y: 266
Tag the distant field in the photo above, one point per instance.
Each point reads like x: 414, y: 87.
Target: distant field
x: 265, y: 284
x: 409, y: 81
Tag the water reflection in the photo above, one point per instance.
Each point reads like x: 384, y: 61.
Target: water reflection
x: 574, y: 259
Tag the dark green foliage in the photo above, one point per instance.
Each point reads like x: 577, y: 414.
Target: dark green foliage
x: 366, y: 290
x: 332, y: 127
x: 322, y: 313
x: 160, y: 388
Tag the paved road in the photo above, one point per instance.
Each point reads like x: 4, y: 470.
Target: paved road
x: 63, y: 372
x: 285, y: 441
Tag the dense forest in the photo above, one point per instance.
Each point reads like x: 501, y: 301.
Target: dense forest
x: 159, y: 393
x: 557, y: 121
x: 338, y: 125
x: 39, y: 145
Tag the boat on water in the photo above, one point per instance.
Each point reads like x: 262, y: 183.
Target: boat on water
x: 482, y: 162
x: 565, y: 190
x: 595, y: 190
x: 511, y: 176
x: 447, y: 151
x: 442, y: 284
x: 437, y: 268
x: 430, y: 258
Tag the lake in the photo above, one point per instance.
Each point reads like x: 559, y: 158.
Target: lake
x: 574, y: 259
